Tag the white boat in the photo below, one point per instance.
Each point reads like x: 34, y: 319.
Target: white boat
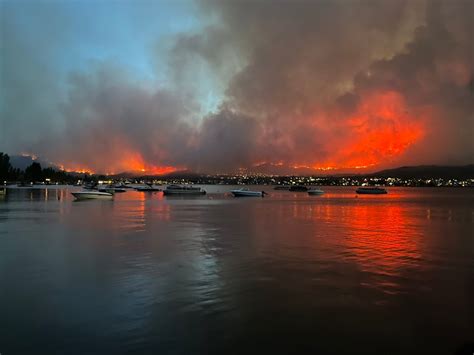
x: 314, y: 192
x: 245, y: 192
x: 183, y: 190
x: 88, y: 195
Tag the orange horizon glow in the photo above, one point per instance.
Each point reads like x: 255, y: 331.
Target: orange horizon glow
x: 380, y: 131
x: 132, y: 162
x: 384, y: 128
x: 377, y: 133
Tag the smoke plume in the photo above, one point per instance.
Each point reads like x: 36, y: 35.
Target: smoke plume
x: 311, y: 85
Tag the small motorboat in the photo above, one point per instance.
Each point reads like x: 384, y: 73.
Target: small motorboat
x: 89, y: 195
x: 315, y: 192
x: 371, y: 191
x: 183, y: 190
x: 245, y: 192
x: 147, y: 188
x: 90, y: 186
x: 298, y: 188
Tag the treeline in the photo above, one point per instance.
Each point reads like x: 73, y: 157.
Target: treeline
x: 33, y: 173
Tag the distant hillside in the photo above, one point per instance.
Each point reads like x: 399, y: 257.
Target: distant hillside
x: 182, y: 174
x: 23, y: 161
x: 429, y: 171
x: 422, y: 171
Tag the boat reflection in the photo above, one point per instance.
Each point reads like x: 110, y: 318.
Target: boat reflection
x: 134, y: 211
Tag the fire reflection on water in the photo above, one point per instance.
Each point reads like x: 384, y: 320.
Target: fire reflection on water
x: 144, y: 269
x: 133, y: 214
x: 381, y: 239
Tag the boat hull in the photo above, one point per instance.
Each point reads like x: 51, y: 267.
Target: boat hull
x: 240, y: 193
x: 183, y: 190
x: 371, y: 191
x: 315, y: 192
x: 146, y: 189
x: 298, y: 188
x: 112, y: 190
x: 92, y: 195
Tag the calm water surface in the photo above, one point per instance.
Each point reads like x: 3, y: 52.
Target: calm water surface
x: 148, y: 274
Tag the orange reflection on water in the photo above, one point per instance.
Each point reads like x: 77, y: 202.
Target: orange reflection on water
x: 380, y: 233
x: 162, y: 212
x: 137, y: 209
x: 130, y: 213
x: 382, y: 238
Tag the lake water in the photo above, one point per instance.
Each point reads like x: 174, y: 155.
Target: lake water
x: 288, y: 273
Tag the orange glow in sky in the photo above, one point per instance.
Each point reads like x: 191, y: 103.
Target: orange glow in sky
x: 128, y: 162
x: 134, y: 162
x: 380, y: 130
x: 383, y: 128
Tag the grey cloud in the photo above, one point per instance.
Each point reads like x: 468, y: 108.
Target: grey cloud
x: 292, y: 74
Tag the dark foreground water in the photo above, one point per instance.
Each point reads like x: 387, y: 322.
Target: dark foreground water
x: 147, y: 274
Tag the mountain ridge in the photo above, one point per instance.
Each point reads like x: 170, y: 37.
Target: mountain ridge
x: 412, y: 171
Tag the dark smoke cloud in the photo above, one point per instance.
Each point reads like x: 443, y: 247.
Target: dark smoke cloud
x: 436, y: 70
x: 109, y: 115
x: 305, y: 58
x: 295, y: 77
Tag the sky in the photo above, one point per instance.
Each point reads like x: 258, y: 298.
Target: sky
x: 275, y: 86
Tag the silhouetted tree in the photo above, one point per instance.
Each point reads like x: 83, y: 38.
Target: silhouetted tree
x: 7, y: 172
x: 34, y: 172
x: 5, y: 167
x: 14, y: 174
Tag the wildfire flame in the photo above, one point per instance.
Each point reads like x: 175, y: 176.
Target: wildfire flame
x: 132, y: 162
x: 384, y: 128
x: 380, y: 130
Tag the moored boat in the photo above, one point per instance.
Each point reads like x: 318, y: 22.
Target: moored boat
x: 314, y: 192
x: 245, y: 192
x: 298, y: 188
x: 90, y: 186
x: 183, y: 190
x: 111, y: 189
x: 89, y: 195
x: 371, y: 191
x: 147, y: 188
